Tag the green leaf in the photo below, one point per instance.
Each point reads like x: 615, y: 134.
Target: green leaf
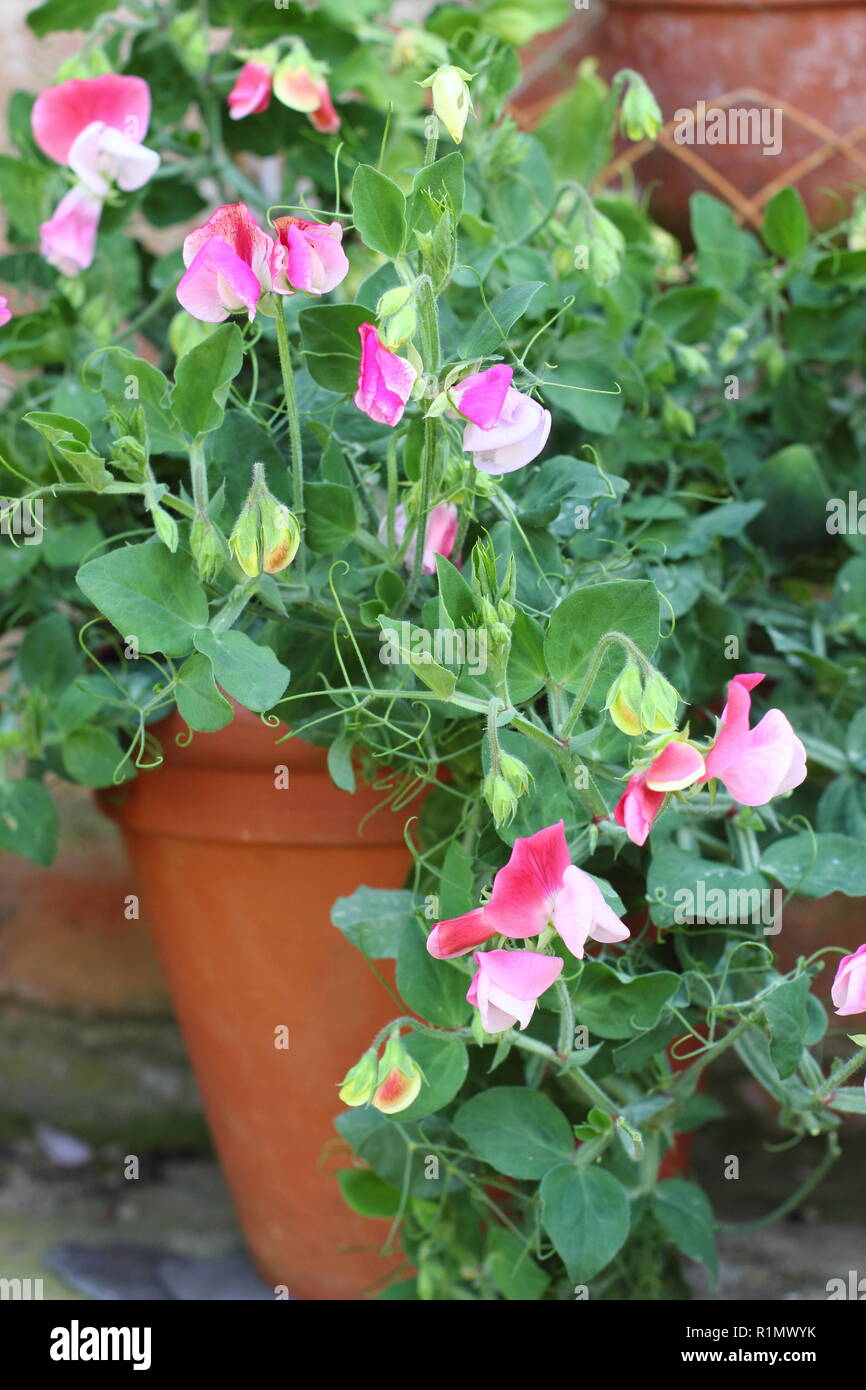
x: 198, y: 700
x: 496, y: 321
x: 28, y: 821
x: 517, y: 1276
x: 517, y: 22
x: 330, y: 519
x: 444, y: 181
x: 687, y: 315
x: 366, y: 1193
x: 444, y: 1065
x: 148, y: 594
x: 93, y: 756
x: 526, y: 669
x: 456, y: 882
x: 630, y: 606
x: 49, y: 657
x: 815, y: 865
x: 248, y: 672
x: 332, y: 345
x: 848, y: 1100
x: 433, y: 989
x: 22, y: 190
x: 723, y: 248
x: 686, y: 1218
x: 787, y: 1020
x: 586, y: 1213
x: 66, y: 14
x: 613, y: 1006
x: 340, y: 763
x: 202, y: 379
x: 398, y: 1152
x: 375, y: 920
x: 517, y: 1131
x: 405, y: 644
x: 589, y: 392
x: 379, y: 211
x: 785, y: 228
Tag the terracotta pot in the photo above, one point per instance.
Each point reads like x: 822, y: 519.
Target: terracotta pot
x: 238, y: 878
x: 804, y: 57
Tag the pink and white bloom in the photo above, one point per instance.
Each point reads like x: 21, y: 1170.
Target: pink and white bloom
x: 849, y: 987
x: 442, y: 527
x: 514, y: 438
x: 68, y: 239
x: 481, y: 396
x: 508, y: 984
x: 231, y: 262
x: 316, y: 261
x: 678, y: 766
x: 755, y: 764
x: 251, y: 92
x: 96, y: 126
x: 538, y: 887
x: 5, y: 311
x: 300, y: 84
x: 385, y: 380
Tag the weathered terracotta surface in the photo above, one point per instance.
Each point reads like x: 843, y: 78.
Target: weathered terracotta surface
x: 238, y: 879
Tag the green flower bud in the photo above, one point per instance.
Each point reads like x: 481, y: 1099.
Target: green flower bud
x: 731, y: 344
x: 165, y: 526
x: 245, y: 540
x: 640, y: 116
x: 281, y: 534
x: 400, y: 327
x: 392, y: 301
x: 127, y: 453
x: 501, y: 799
x: 399, y: 1078
x: 693, y: 361
x: 658, y: 709
x: 207, y: 548
x: 606, y: 250
x: 515, y: 773
x: 623, y: 701
x: 359, y: 1083
x: 676, y: 419
x: 451, y: 100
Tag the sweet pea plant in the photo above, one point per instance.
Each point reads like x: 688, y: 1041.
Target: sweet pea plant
x: 411, y: 444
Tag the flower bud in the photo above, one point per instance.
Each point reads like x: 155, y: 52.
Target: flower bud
x: 207, y: 548
x: 623, y: 702
x: 501, y: 799
x: 451, y: 100
x: 165, y: 526
x: 606, y: 250
x: 640, y: 116
x: 281, y: 534
x: 676, y: 419
x: 400, y: 327
x: 658, y: 708
x: 515, y: 773
x: 399, y: 1078
x: 392, y: 301
x: 129, y: 454
x: 359, y: 1083
x: 245, y: 541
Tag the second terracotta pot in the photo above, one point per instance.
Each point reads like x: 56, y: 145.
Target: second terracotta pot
x: 238, y: 874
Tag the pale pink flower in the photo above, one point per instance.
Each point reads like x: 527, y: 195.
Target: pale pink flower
x: 68, y: 239
x: 507, y: 985
x: 385, y: 380
x: 515, y: 438
x: 96, y: 126
x: 299, y: 83
x: 537, y: 888
x: 5, y: 311
x: 678, y: 766
x: 755, y: 764
x: 231, y: 262
x: 442, y: 526
x: 849, y: 987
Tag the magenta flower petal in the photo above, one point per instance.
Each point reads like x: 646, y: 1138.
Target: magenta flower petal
x: 849, y: 987
x: 480, y: 397
x: 251, y: 92
x: 637, y: 808
x: 525, y: 890
x: 61, y: 113
x: 218, y: 283
x: 458, y: 935
x: 324, y: 118
x: 5, y: 311
x: 235, y: 224
x: 317, y: 262
x: 679, y: 765
x: 385, y: 380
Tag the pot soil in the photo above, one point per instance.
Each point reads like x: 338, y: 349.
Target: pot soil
x: 238, y: 878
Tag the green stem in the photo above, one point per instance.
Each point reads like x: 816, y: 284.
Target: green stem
x: 432, y: 130
x: 840, y: 1076
x: 428, y: 468
x: 291, y: 401
x: 198, y: 479
x: 565, y: 1043
x: 610, y: 639
x: 235, y: 605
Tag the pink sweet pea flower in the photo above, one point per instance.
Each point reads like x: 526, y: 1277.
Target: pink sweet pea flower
x: 316, y: 260
x: 299, y: 83
x: 679, y: 765
x: 231, y: 262
x: 755, y: 764
x: 5, y: 311
x: 514, y: 439
x: 61, y: 113
x: 442, y: 526
x: 251, y: 92
x: 68, y: 239
x: 849, y: 987
x: 507, y: 985
x: 385, y: 380
x: 102, y: 156
x: 537, y: 888
x: 480, y: 397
